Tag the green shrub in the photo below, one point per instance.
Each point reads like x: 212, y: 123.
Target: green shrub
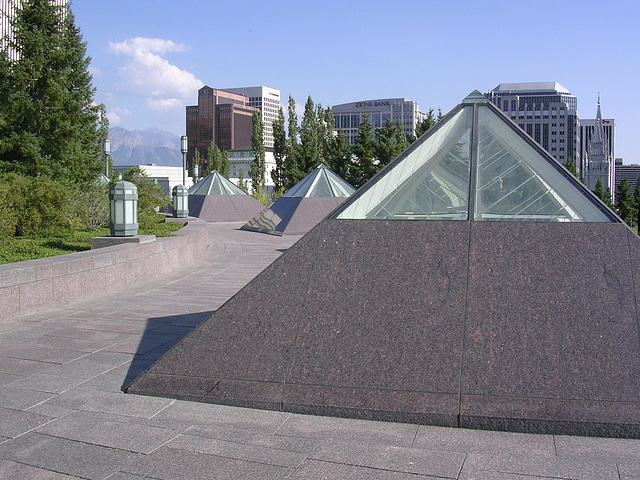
x: 40, y: 206
x: 91, y: 203
x: 150, y: 197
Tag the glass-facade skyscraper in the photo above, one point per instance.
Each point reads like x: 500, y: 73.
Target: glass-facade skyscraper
x: 546, y: 111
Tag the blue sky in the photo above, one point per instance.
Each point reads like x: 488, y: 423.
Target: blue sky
x: 149, y: 57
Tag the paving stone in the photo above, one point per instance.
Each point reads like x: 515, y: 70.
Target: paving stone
x: 43, y: 382
x: 292, y: 444
x: 579, y: 467
x: 19, y: 366
x: 386, y: 433
x: 66, y: 456
x: 6, y: 378
x: 169, y: 464
x: 17, y: 471
x: 31, y: 351
x: 618, y: 449
x: 629, y: 471
x: 329, y: 471
x: 186, y: 414
x: 106, y: 431
x: 21, y: 399
x: 483, y: 441
x: 16, y: 422
x: 237, y: 451
x: 110, y: 402
x: 388, y: 457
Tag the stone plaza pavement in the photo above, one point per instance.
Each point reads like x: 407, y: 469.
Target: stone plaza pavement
x: 63, y: 414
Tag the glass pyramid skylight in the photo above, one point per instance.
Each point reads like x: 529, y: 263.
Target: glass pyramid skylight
x: 320, y: 183
x: 215, y: 184
x: 475, y: 164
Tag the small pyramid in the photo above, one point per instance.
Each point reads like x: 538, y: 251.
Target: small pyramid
x: 474, y: 282
x: 216, y: 199
x: 302, y: 207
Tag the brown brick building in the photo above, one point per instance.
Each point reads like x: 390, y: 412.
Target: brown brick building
x: 221, y: 117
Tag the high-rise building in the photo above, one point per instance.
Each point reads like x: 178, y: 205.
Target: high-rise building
x: 349, y: 116
x: 630, y: 172
x: 546, y: 111
x: 267, y: 100
x: 7, y: 12
x: 597, y: 147
x: 222, y: 118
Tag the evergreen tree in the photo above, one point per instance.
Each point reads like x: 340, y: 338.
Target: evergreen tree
x: 242, y: 184
x: 363, y: 165
x: 196, y: 159
x: 636, y: 203
x: 225, y: 164
x: 602, y: 194
x: 425, y: 124
x: 573, y: 168
x: 49, y: 124
x: 338, y: 155
x: 309, y: 139
x: 624, y: 203
x: 279, y: 151
x: 214, y: 160
x: 292, y: 171
x: 391, y: 141
x: 257, y: 167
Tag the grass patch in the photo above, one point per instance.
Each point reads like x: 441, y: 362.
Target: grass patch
x: 20, y: 249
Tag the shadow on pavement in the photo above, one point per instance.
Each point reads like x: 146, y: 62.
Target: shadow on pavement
x: 160, y: 335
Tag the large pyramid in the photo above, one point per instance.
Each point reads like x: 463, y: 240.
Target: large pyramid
x: 216, y: 199
x: 302, y: 207
x: 473, y: 282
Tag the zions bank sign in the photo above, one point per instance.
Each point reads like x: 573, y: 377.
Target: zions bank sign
x: 373, y: 104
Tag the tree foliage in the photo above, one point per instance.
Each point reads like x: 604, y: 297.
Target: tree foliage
x: 625, y: 205
x: 257, y: 167
x: 390, y: 142
x: 150, y: 197
x: 363, y: 164
x: 279, y: 151
x: 49, y: 124
x: 217, y: 160
x: 427, y: 123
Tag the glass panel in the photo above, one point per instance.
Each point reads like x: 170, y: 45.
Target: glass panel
x: 430, y: 182
x: 321, y: 187
x: 517, y: 182
x: 339, y: 187
x: 300, y: 188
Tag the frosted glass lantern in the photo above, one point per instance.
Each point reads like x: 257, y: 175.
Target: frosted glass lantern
x: 123, y: 204
x: 180, y: 195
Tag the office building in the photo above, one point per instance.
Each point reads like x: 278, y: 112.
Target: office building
x: 7, y: 12
x: 349, y: 116
x: 222, y: 118
x: 240, y: 161
x: 546, y: 111
x: 629, y: 172
x: 267, y: 100
x: 597, y: 148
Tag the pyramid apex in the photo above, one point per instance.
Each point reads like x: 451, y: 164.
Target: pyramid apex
x: 475, y: 97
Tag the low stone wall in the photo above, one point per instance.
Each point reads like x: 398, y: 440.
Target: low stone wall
x: 35, y: 285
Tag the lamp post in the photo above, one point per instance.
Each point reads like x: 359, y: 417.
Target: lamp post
x: 107, y: 153
x: 184, y: 147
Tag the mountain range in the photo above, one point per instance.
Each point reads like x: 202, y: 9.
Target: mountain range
x: 142, y: 147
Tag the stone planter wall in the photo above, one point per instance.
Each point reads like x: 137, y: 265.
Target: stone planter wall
x: 36, y: 285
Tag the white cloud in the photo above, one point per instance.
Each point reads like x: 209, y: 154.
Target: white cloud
x: 149, y: 74
x: 164, y: 103
x: 115, y: 115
